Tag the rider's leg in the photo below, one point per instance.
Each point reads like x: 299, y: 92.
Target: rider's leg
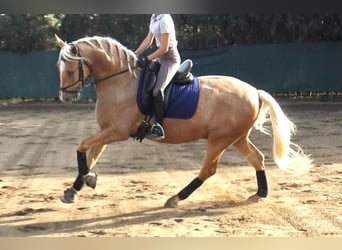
x: 157, y: 132
x: 169, y: 64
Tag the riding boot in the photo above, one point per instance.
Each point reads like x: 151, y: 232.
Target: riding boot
x: 157, y: 131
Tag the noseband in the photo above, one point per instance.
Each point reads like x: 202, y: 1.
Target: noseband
x: 82, y: 80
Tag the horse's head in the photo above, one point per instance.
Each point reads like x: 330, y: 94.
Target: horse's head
x: 103, y: 58
x: 72, y: 71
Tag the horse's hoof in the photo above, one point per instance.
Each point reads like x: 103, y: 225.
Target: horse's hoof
x: 69, y: 196
x: 255, y: 198
x: 262, y: 193
x: 90, y: 179
x: 172, y: 202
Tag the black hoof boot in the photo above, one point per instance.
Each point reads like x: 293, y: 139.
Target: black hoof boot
x: 90, y: 179
x: 69, y: 195
x: 172, y: 202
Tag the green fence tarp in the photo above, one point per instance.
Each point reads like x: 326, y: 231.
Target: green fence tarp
x: 274, y: 68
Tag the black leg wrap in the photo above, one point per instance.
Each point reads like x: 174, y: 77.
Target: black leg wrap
x: 78, y: 184
x: 262, y: 183
x: 82, y: 163
x: 196, y: 183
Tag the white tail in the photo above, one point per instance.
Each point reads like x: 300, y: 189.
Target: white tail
x: 287, y: 155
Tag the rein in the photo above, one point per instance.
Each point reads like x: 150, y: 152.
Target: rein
x: 94, y: 82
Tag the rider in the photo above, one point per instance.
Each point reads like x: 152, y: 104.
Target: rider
x: 163, y: 30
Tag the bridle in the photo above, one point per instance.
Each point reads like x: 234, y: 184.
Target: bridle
x: 83, y: 81
x: 80, y: 79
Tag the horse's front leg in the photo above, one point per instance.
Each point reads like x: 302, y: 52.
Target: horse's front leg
x: 96, y: 145
x: 94, y: 154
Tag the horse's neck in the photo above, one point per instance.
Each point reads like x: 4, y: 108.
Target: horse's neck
x: 120, y: 90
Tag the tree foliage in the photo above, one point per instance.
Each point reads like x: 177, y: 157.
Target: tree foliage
x: 27, y: 32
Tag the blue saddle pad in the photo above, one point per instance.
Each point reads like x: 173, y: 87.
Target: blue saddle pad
x: 182, y: 101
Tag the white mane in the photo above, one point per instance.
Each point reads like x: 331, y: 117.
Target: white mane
x: 113, y: 50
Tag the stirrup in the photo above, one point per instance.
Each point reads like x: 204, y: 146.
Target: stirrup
x: 157, y: 132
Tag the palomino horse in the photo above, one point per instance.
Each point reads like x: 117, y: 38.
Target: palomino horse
x: 227, y: 110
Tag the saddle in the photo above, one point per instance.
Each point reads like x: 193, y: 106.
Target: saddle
x: 148, y: 80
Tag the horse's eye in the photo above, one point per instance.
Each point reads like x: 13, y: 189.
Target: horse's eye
x: 71, y: 72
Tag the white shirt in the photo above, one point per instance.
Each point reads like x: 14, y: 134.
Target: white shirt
x: 161, y: 24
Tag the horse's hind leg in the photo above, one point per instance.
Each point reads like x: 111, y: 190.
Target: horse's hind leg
x: 213, y: 156
x: 256, y: 158
x: 94, y: 154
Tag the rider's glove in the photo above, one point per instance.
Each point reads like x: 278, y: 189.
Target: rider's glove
x: 142, y: 61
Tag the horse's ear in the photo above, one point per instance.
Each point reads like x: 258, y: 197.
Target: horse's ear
x: 74, y: 50
x: 59, y: 41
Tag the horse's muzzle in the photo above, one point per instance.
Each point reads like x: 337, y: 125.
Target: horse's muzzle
x: 69, y: 97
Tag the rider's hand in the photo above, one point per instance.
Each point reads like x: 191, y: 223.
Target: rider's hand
x: 142, y: 61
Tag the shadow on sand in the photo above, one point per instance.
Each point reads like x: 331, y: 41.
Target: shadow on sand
x: 154, y: 215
